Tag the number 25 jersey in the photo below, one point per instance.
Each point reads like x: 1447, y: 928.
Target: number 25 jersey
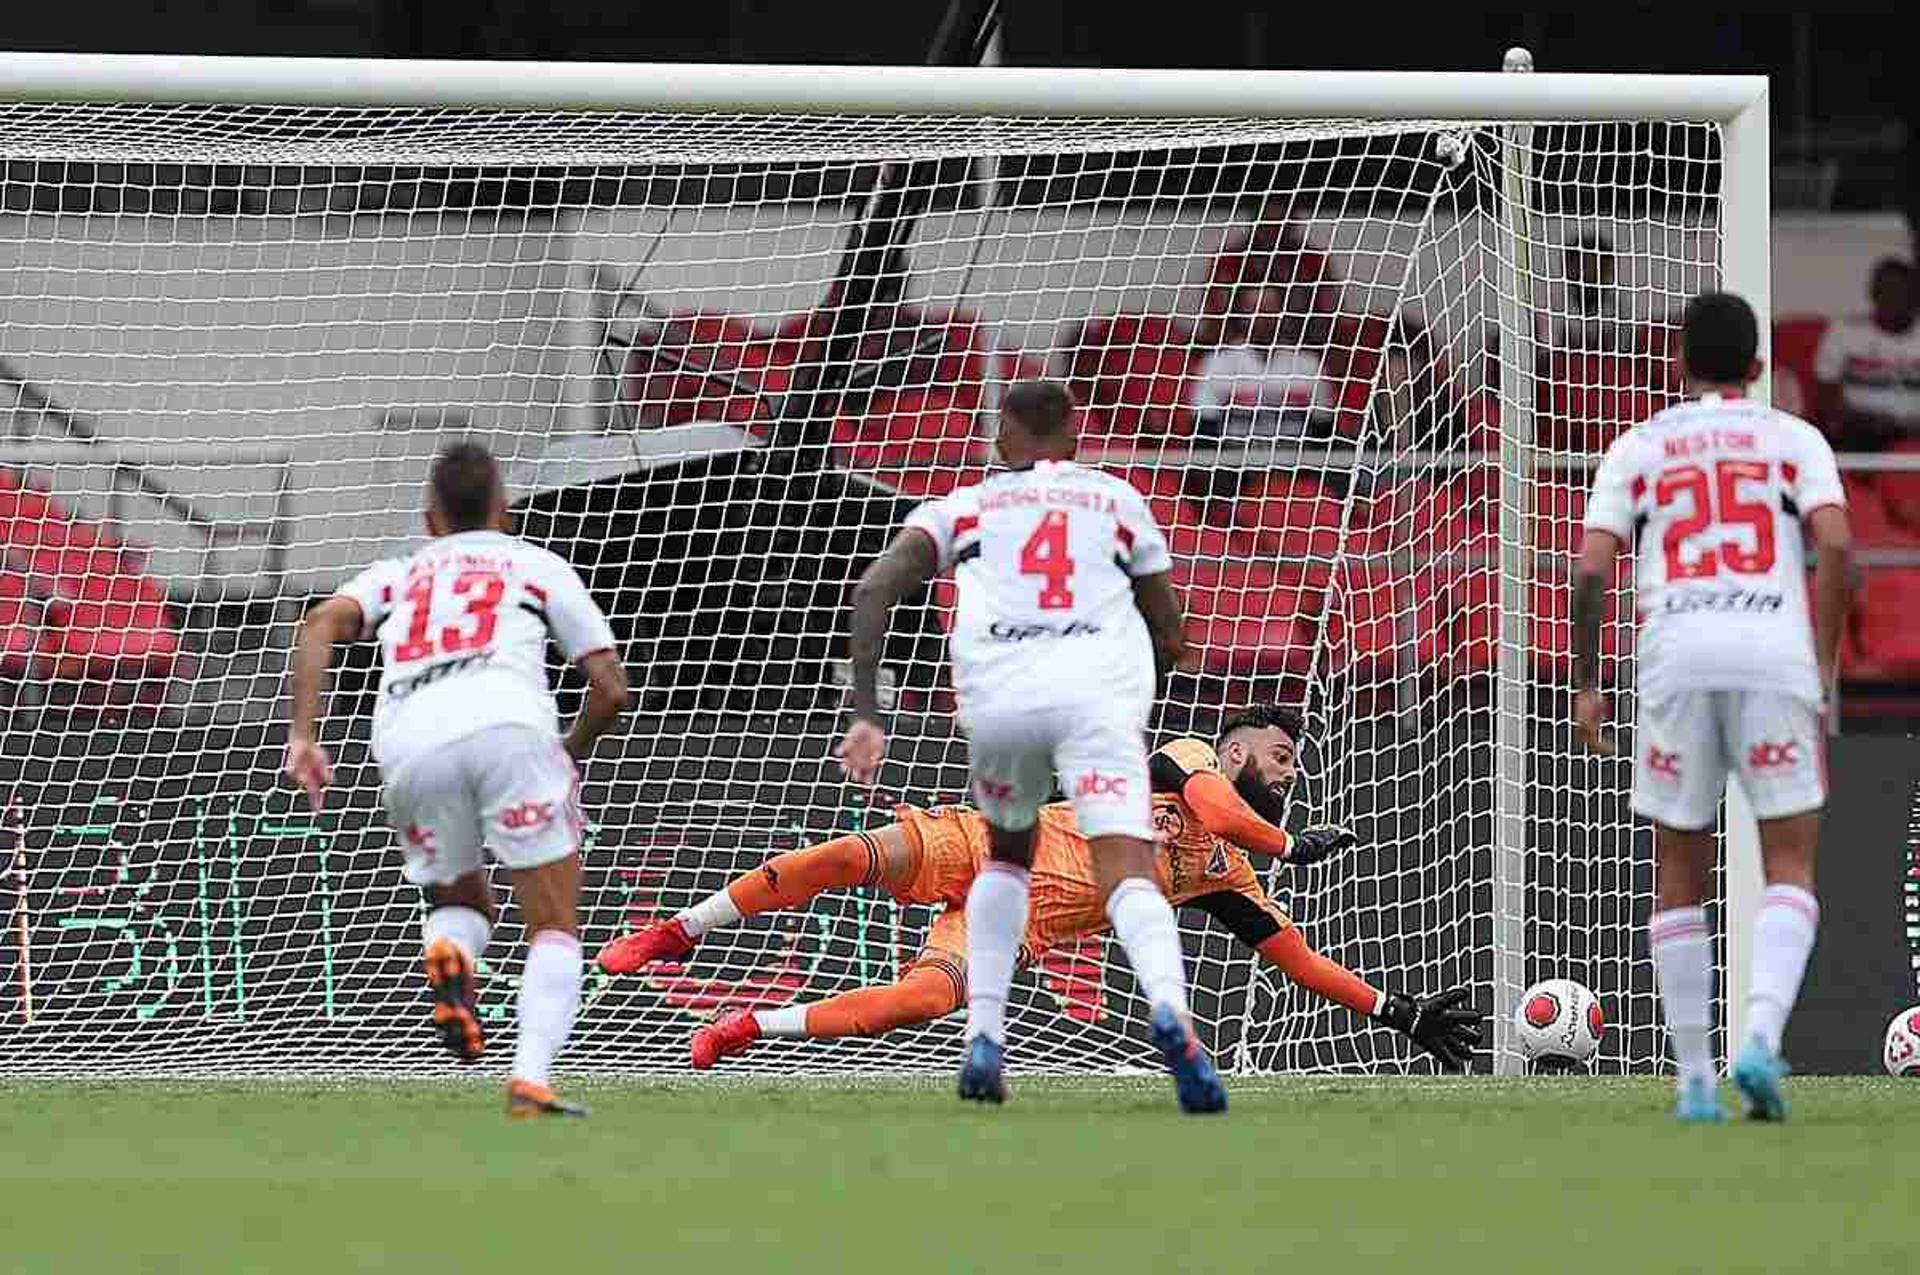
x: 1044, y: 561
x: 463, y: 627
x: 1712, y: 494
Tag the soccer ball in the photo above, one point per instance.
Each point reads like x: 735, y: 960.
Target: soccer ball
x: 1901, y: 1053
x: 1558, y: 1024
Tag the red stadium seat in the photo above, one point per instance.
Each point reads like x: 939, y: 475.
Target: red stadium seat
x: 1796, y: 342
x: 1295, y: 519
x: 1884, y: 617
x: 1900, y: 490
x: 1245, y: 617
x: 1130, y: 372
x: 1559, y: 508
x: 1873, y: 524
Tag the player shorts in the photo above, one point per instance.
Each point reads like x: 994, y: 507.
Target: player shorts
x: 1690, y: 742
x: 510, y: 790
x: 1098, y: 751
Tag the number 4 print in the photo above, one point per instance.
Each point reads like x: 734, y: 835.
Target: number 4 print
x: 1046, y: 554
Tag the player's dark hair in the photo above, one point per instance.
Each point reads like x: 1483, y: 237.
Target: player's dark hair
x: 1265, y: 717
x: 464, y: 479
x: 1718, y: 339
x: 1043, y: 408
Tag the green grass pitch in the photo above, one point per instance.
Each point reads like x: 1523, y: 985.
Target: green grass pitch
x: 1302, y: 1175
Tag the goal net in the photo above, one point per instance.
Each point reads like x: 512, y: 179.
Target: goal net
x: 1360, y: 366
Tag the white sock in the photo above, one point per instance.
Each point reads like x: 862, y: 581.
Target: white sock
x: 549, y: 998
x: 1782, y: 941
x: 788, y: 1022
x: 1144, y: 923
x: 1683, y: 959
x: 996, y: 923
x: 465, y: 928
x: 714, y: 912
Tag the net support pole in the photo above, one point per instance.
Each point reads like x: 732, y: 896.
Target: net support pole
x: 1516, y: 482
x: 1745, y: 269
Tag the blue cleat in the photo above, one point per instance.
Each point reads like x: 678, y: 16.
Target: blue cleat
x: 1194, y: 1078
x: 983, y: 1074
x: 1698, y: 1102
x: 1757, y: 1072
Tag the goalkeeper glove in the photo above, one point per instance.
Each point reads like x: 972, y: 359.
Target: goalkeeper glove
x: 1314, y: 844
x: 1444, y: 1025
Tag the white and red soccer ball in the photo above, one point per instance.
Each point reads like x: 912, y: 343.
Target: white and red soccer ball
x: 1558, y: 1024
x: 1901, y: 1053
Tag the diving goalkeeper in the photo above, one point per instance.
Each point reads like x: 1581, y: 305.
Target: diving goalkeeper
x: 1213, y: 806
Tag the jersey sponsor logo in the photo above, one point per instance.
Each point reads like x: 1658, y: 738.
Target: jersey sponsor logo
x: 1168, y: 823
x: 1541, y: 1010
x: 1744, y: 601
x: 1769, y: 755
x: 1663, y: 763
x: 1095, y: 784
x: 1001, y: 631
x: 527, y: 816
x: 403, y: 687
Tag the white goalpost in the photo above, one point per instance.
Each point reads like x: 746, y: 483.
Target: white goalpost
x: 724, y: 325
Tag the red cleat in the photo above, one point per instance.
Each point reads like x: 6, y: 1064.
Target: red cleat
x: 634, y: 952
x: 723, y: 1038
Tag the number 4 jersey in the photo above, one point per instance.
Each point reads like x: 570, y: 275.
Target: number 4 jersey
x: 1712, y: 493
x: 1044, y: 561
x: 463, y: 627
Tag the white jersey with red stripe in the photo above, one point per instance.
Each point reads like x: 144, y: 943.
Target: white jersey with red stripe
x: 463, y: 627
x: 1712, y: 493
x: 1044, y: 561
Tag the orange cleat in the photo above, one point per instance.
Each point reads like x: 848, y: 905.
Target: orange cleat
x: 634, y: 952
x: 723, y: 1038
x: 450, y: 974
x: 528, y: 1101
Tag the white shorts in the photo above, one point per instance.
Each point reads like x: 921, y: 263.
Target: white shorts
x: 1099, y: 753
x: 510, y: 790
x: 1689, y: 743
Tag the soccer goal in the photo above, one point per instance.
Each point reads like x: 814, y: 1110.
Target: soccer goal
x: 1360, y: 337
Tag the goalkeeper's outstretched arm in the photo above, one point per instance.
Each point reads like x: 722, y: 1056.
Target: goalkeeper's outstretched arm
x: 1446, y: 1026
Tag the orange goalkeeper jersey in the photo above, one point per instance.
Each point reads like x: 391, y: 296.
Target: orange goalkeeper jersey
x: 1194, y: 866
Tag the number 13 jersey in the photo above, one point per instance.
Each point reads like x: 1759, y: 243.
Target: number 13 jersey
x: 1044, y: 561
x: 463, y: 627
x: 1712, y: 494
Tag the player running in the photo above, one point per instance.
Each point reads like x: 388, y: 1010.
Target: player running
x: 1211, y: 808
x: 1718, y: 493
x: 469, y: 748
x: 1064, y: 603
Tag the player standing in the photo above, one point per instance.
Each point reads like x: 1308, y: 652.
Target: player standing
x: 1719, y: 492
x: 467, y: 739
x: 1064, y: 604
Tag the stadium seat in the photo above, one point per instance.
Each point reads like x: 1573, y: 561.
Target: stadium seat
x: 1130, y: 371
x: 1295, y: 520
x: 1873, y: 524
x: 1245, y: 617
x: 1559, y: 507
x: 21, y: 620
x: 1796, y: 342
x: 1587, y: 400
x: 1900, y: 490
x: 1884, y: 617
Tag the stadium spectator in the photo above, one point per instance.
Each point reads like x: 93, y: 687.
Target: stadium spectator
x: 1588, y: 319
x: 1271, y: 250
x: 1264, y: 379
x: 1869, y: 369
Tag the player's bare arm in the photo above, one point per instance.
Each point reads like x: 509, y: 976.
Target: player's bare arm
x: 1832, y: 539
x: 607, y: 696
x: 1159, y: 606
x: 1598, y: 549
x: 334, y: 621
x: 905, y: 568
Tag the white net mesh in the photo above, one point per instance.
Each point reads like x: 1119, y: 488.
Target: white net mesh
x: 721, y: 356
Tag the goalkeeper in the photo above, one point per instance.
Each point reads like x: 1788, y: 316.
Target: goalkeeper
x: 1211, y: 810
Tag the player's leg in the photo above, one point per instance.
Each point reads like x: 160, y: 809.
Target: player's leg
x: 1103, y: 764
x: 884, y: 857
x: 1012, y: 776
x: 530, y: 810
x: 1781, y: 756
x: 439, y: 833
x: 1679, y: 777
x: 933, y: 986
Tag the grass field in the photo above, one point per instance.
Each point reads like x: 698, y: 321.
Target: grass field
x: 1303, y: 1175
